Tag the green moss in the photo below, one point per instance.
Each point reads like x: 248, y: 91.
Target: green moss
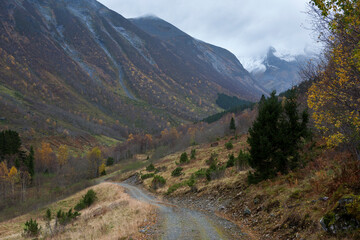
x: 353, y: 208
x: 297, y: 194
x: 329, y: 219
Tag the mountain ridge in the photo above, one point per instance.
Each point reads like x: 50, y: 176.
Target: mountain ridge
x: 280, y: 73
x: 77, y: 66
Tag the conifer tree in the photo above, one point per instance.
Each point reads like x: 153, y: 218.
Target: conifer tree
x: 232, y: 124
x: 275, y: 137
x: 30, y: 162
x: 10, y: 142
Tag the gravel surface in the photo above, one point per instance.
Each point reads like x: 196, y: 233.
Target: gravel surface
x: 179, y: 222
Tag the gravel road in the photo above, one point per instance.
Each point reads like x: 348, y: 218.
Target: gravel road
x: 181, y: 223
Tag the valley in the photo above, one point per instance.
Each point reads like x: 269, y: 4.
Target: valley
x: 124, y: 126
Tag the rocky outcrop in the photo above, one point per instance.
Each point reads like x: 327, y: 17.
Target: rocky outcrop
x: 344, y: 216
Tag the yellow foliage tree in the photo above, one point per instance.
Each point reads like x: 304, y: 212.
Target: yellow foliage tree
x: 102, y: 169
x: 63, y: 155
x: 94, y: 158
x: 334, y: 97
x: 13, y: 177
x: 131, y: 137
x: 4, y: 171
x: 46, y: 156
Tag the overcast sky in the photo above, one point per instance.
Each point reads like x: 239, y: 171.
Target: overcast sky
x: 245, y: 27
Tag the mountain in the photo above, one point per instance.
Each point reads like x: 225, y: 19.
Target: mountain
x: 74, y: 66
x: 278, y: 72
x: 218, y: 64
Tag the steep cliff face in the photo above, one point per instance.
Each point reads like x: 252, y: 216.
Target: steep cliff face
x: 88, y: 69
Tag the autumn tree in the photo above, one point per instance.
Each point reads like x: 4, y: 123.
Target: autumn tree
x: 63, y: 155
x: 13, y: 178
x: 334, y: 95
x: 95, y: 160
x: 148, y: 140
x: 102, y: 170
x: 46, y: 158
x: 4, y: 171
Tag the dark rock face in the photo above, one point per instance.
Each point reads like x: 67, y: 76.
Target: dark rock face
x: 345, y: 215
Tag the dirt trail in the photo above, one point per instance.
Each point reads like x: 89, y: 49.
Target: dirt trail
x: 182, y: 223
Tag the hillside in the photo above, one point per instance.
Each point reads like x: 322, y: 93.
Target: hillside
x: 72, y: 68
x: 287, y: 207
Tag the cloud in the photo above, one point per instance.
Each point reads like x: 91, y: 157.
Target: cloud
x: 246, y: 28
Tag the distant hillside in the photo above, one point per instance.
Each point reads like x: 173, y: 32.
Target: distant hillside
x: 75, y: 67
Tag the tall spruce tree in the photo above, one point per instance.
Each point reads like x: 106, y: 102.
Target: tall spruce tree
x: 275, y: 137
x: 30, y: 162
x: 232, y: 124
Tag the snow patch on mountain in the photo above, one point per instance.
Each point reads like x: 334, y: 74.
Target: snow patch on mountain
x: 253, y: 64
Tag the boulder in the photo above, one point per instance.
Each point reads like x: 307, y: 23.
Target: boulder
x: 247, y: 211
x: 344, y: 216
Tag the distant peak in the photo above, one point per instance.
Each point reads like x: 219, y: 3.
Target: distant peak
x: 149, y: 16
x: 271, y: 50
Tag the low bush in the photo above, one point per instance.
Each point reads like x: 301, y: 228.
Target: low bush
x: 174, y: 187
x: 146, y: 176
x: 64, y: 218
x: 212, y: 159
x: 48, y: 215
x: 243, y: 160
x: 177, y: 172
x: 32, y: 228
x: 184, y: 158
x: 150, y: 168
x: 213, y: 172
x: 88, y: 199
x: 80, y: 206
x: 201, y: 173
x: 109, y: 161
x: 191, y: 182
x: 158, y: 182
x: 229, y: 145
x: 231, y: 161
x: 193, y: 153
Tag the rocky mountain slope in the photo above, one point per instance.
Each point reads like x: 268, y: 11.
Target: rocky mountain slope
x: 69, y: 67
x: 279, y: 73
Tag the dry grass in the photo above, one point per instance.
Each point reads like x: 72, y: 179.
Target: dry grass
x: 114, y: 215
x: 203, y: 153
x: 286, y: 207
